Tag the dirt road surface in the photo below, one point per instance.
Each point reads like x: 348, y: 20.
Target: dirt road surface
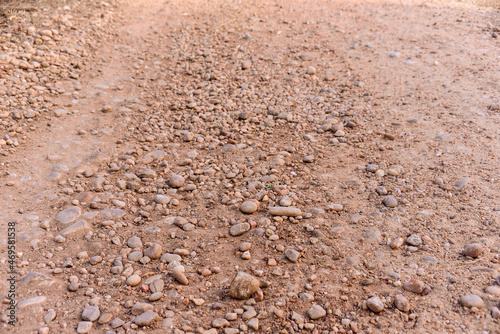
x: 250, y: 166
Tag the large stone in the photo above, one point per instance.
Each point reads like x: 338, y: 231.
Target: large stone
x: 243, y: 286
x: 316, y: 312
x: 69, y: 215
x: 472, y: 301
x: 79, y: 228
x: 147, y: 318
x: 239, y: 229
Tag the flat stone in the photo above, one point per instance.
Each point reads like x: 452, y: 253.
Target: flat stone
x: 147, y: 318
x: 220, y: 323
x: 31, y: 302
x: 372, y: 236
x: 91, y: 313
x: 287, y: 211
x: 140, y: 308
x: 69, y: 215
x: 116, y: 322
x: 239, y: 229
x: 84, y: 327
x: 493, y: 290
x: 243, y: 286
x: 79, y: 228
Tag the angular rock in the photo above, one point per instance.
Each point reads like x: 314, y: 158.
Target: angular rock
x: 375, y: 304
x: 69, y: 215
x: 79, y: 228
x: 316, y: 312
x: 147, y: 318
x: 91, y: 313
x: 239, y: 229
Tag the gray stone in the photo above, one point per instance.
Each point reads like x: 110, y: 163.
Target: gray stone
x: 79, y: 228
x: 473, y: 250
x: 91, y: 313
x: 134, y: 242
x: 390, y: 201
x: 472, y: 301
x: 84, y: 327
x: 292, y: 255
x: 375, y: 304
x: 69, y: 215
x: 248, y: 207
x: 414, y: 240
x: 239, y: 229
x: 402, y: 303
x: 176, y: 181
x: 31, y: 302
x: 316, y: 312
x: 147, y: 318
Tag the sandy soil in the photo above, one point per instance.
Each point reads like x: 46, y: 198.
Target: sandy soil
x: 344, y: 155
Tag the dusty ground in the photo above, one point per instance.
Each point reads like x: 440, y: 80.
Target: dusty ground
x: 375, y: 123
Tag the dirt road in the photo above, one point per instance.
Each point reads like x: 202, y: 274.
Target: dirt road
x: 250, y: 166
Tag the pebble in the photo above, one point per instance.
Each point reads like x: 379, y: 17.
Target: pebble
x: 243, y: 286
x: 414, y: 240
x: 147, y: 318
x: 375, y: 304
x: 285, y: 201
x: 495, y: 312
x: 134, y: 242
x: 134, y: 280
x: 239, y: 229
x: 310, y: 70
x: 249, y: 207
x: 77, y: 229
x: 91, y: 313
x: 116, y: 322
x: 390, y: 201
x: 472, y: 301
x: 178, y: 274
x: 153, y: 251
x: 176, y: 181
x: 473, y: 250
x: 396, y: 243
x: 220, y: 323
x: 316, y: 312
x: 402, y: 303
x: 493, y: 290
x: 246, y: 64
x: 253, y: 324
x: 69, y: 215
x: 413, y: 285
x: 140, y: 308
x: 84, y: 327
x: 285, y: 211
x: 292, y: 255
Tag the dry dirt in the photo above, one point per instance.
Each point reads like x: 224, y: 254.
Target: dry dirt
x: 374, y: 125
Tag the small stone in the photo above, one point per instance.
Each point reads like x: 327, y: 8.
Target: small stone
x: 375, y: 304
x: 31, y: 302
x: 249, y: 207
x: 493, y: 290
x: 285, y: 201
x: 134, y: 280
x: 91, y: 313
x: 311, y: 70
x: 245, y: 65
x: 316, y: 312
x: 396, y: 243
x: 390, y: 201
x: 51, y: 315
x: 285, y: 211
x: 472, y: 301
x: 134, y: 242
x: 220, y: 323
x: 84, y: 327
x: 239, y: 229
x: 162, y: 199
x: 460, y: 184
x: 178, y: 274
x: 147, y: 318
x: 243, y: 286
x: 79, y: 228
x: 292, y: 255
x: 153, y: 251
x: 402, y: 303
x: 253, y: 323
x: 473, y: 250
x: 309, y: 159
x: 116, y: 322
x: 105, y: 318
x: 414, y: 240
x: 140, y: 308
x: 413, y: 285
x: 176, y: 181
x: 495, y: 312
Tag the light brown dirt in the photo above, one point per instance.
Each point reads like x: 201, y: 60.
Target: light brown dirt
x: 415, y: 85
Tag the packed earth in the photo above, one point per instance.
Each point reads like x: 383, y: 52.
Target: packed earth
x: 262, y: 166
